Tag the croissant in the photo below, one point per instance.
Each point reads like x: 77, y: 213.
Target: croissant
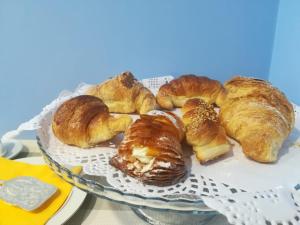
x: 258, y: 116
x: 84, y: 121
x: 124, y: 94
x: 151, y: 150
x: 204, y: 131
x: 177, y: 91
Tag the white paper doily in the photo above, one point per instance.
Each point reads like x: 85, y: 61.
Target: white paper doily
x: 245, y: 191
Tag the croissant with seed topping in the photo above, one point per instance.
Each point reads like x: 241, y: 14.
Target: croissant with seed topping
x: 204, y: 131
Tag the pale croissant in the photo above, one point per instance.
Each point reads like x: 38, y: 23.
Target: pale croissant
x: 257, y: 115
x: 124, y: 94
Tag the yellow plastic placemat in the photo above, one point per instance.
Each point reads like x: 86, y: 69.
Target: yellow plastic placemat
x: 11, y: 215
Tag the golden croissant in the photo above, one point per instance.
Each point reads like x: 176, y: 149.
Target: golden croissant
x: 124, y: 94
x: 84, y: 121
x: 177, y: 91
x: 258, y: 116
x: 151, y: 150
x: 204, y: 131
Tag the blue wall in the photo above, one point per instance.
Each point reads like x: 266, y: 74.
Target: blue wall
x: 285, y: 67
x: 47, y: 46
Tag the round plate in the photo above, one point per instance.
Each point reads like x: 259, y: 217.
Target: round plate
x: 12, y: 149
x: 72, y: 203
x: 234, y: 173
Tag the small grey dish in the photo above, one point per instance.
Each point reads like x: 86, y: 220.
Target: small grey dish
x: 2, y: 150
x: 26, y: 192
x: 11, y: 149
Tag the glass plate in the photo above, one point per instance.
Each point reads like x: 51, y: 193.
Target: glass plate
x: 98, y: 186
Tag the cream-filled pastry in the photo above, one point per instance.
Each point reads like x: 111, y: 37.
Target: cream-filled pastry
x: 151, y: 150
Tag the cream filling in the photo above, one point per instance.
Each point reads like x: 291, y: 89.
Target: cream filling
x: 141, y: 154
x: 148, y: 166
